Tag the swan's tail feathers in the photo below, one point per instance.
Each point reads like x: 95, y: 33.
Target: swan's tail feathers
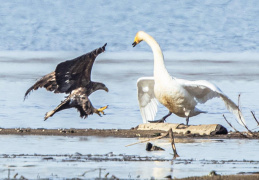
x: 195, y: 112
x: 233, y: 108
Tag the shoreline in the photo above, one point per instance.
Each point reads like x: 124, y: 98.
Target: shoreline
x: 223, y: 177
x: 120, y: 133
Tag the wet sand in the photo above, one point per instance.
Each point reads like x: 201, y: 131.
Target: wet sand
x: 66, y: 151
x: 229, y: 177
x: 120, y: 158
x: 122, y: 133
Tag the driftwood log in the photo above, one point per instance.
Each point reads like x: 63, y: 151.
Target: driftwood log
x: 205, y: 129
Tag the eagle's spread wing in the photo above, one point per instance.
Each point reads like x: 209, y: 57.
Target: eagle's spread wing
x: 48, y: 81
x: 203, y: 91
x: 69, y: 75
x: 76, y: 73
x: 146, y: 98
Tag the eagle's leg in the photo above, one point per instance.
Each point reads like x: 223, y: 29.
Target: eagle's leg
x: 162, y: 120
x: 63, y: 105
x: 100, y: 110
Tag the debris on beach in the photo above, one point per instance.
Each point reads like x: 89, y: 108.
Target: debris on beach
x: 151, y: 147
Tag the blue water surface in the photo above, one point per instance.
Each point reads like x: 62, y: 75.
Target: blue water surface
x: 210, y: 40
x: 180, y: 26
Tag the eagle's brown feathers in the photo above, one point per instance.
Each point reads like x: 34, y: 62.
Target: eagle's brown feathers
x: 69, y: 75
x: 73, y: 77
x: 48, y: 82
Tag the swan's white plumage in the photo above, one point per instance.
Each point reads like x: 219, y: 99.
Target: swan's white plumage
x: 146, y: 98
x: 203, y: 91
x: 178, y: 95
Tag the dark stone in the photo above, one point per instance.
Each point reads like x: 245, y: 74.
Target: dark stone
x: 151, y: 147
x: 188, y: 132
x: 219, y: 130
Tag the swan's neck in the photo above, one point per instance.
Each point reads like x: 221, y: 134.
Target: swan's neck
x: 160, y: 71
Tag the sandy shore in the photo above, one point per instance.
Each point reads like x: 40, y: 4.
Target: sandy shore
x: 120, y: 133
x: 228, y: 177
x: 124, y: 133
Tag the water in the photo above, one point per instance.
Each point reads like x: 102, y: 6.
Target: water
x: 120, y: 76
x: 26, y: 156
x: 189, y: 26
x: 215, y: 41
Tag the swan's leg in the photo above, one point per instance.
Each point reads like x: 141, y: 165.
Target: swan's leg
x: 162, y: 120
x: 166, y: 116
x: 187, y: 120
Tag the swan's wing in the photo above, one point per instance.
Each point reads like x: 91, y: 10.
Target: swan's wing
x: 203, y: 91
x: 146, y: 98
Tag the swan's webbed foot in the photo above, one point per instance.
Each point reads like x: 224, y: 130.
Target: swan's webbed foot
x: 158, y: 121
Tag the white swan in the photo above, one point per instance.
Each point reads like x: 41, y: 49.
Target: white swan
x: 178, y: 95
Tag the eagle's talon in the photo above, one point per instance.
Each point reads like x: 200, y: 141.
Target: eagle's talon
x: 100, y: 110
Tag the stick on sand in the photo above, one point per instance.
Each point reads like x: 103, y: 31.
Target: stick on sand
x: 239, y: 113
x: 150, y: 139
x: 171, y: 135
x: 233, y: 127
x: 255, y: 117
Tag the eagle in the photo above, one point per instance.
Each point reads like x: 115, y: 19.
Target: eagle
x: 73, y: 77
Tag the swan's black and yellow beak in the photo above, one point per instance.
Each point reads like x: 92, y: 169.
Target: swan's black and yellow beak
x: 136, y: 41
